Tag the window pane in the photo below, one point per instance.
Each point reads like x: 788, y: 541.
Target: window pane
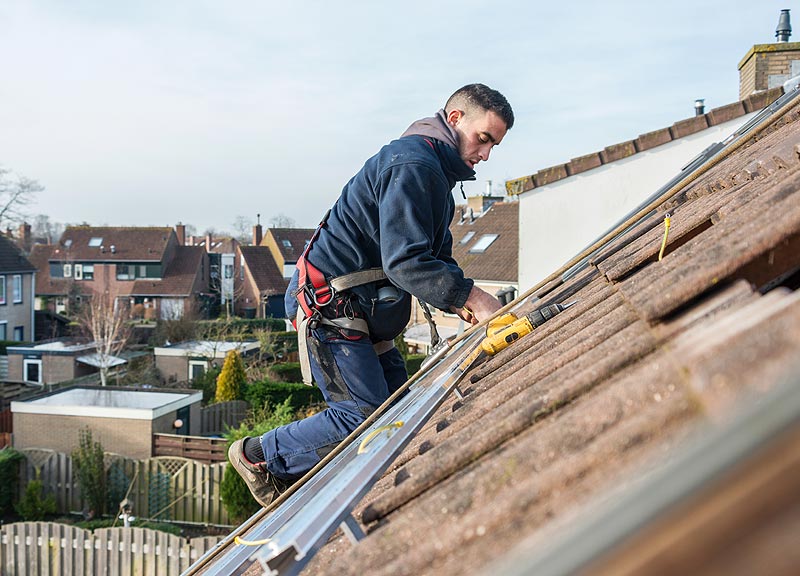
x: 2, y: 289
x: 483, y: 243
x: 17, y: 288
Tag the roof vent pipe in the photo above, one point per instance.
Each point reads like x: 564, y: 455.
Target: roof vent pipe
x: 784, y: 29
x: 699, y: 107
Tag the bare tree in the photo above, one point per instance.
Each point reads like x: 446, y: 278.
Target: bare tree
x: 281, y: 220
x: 242, y: 226
x: 43, y: 227
x: 105, y: 320
x: 16, y: 192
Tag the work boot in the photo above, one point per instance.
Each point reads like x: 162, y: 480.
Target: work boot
x: 262, y: 484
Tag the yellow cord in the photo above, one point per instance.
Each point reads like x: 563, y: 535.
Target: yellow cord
x: 666, y: 233
x: 371, y: 436
x: 252, y: 542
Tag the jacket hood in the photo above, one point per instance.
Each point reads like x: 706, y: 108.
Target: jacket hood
x: 446, y: 138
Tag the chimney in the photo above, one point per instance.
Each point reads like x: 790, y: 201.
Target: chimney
x: 784, y: 29
x: 208, y: 242
x: 768, y: 66
x: 25, y: 236
x: 257, y: 232
x: 180, y: 232
x: 699, y: 107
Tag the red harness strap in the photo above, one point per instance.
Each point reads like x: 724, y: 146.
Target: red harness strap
x: 313, y: 289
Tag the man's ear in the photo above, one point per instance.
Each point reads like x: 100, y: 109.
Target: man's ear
x: 454, y: 116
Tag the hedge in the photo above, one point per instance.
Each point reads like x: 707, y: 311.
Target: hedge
x: 9, y: 474
x: 276, y: 393
x: 287, y: 372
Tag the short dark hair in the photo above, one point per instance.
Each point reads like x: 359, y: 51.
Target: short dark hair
x: 481, y: 96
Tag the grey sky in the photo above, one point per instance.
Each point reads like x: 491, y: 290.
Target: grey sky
x: 150, y: 113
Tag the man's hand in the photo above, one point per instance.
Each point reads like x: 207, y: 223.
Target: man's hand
x: 479, y: 305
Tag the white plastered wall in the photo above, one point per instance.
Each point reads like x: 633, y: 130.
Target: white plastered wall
x: 558, y: 220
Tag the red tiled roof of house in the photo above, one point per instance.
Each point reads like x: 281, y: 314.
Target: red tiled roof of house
x: 114, y: 244
x: 296, y: 239
x: 653, y: 355
x: 498, y: 262
x: 41, y: 256
x: 269, y: 280
x: 178, y: 277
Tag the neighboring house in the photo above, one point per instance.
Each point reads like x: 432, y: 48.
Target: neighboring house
x: 122, y: 420
x: 17, y: 286
x: 565, y: 207
x: 485, y: 246
x: 287, y: 245
x: 162, y: 278
x: 54, y: 362
x: 186, y: 361
x: 651, y: 428
x: 260, y: 286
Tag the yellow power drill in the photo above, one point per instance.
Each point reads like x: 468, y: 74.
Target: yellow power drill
x: 508, y: 328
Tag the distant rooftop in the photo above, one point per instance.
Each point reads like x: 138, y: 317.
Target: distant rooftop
x: 217, y: 349
x: 108, y: 403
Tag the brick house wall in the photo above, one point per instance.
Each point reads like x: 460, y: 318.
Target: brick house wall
x: 131, y: 438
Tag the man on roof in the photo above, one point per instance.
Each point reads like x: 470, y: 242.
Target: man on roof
x: 385, y: 239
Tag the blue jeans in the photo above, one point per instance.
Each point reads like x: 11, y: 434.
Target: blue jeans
x: 354, y: 381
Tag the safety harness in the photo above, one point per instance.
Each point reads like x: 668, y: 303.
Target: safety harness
x: 315, y: 294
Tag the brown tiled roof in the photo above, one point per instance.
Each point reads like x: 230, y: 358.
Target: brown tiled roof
x: 499, y: 262
x: 297, y: 238
x: 614, y: 387
x: 129, y: 244
x: 178, y: 278
x: 40, y: 257
x: 259, y: 261
x: 644, y: 142
x: 224, y: 245
x: 11, y: 258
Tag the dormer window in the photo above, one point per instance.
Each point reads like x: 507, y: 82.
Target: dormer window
x: 95, y: 242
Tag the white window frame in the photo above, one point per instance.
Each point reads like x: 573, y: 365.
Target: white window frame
x: 95, y: 242
x: 16, y: 288
x: 27, y: 362
x: 483, y: 243
x: 67, y: 270
x: 78, y: 271
x: 3, y: 290
x: 203, y: 363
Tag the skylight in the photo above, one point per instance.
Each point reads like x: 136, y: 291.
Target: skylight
x: 483, y: 243
x: 94, y: 242
x: 287, y: 243
x: 467, y: 237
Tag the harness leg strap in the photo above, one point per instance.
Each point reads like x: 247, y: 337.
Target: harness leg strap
x: 302, y: 346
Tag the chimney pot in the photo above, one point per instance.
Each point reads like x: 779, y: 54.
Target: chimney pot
x: 699, y: 107
x: 784, y: 29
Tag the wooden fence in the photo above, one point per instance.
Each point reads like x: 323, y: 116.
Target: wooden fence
x: 215, y: 418
x: 161, y: 488
x: 205, y: 450
x: 47, y: 549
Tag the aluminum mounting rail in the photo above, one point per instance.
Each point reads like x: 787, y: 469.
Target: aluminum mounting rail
x: 286, y: 539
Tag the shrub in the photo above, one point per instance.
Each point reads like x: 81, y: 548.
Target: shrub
x: 90, y: 473
x: 413, y: 362
x: 207, y: 383
x: 297, y: 396
x: 235, y: 496
x: 34, y: 506
x: 232, y: 379
x: 287, y: 372
x: 9, y: 473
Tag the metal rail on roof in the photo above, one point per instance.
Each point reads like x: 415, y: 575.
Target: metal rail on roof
x: 285, y: 540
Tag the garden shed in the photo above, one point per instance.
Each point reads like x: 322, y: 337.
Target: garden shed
x: 123, y: 420
x: 55, y: 361
x: 189, y: 360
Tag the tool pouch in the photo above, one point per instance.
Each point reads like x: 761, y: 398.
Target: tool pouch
x: 385, y: 307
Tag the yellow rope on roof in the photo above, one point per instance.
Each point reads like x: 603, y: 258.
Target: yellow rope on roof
x: 666, y: 233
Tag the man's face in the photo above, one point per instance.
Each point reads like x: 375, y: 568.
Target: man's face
x: 478, y: 132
